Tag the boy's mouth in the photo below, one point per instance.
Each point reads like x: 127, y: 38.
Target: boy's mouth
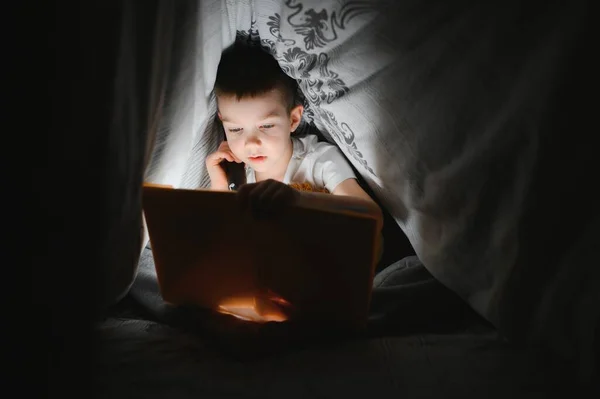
x: 259, y: 158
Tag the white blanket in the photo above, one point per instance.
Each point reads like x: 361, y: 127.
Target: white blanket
x: 438, y: 106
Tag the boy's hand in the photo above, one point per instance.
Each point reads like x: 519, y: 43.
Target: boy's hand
x: 266, y: 198
x: 218, y: 177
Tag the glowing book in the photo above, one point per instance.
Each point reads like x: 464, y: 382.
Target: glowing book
x: 313, y: 262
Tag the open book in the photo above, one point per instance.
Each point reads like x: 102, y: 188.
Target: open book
x: 313, y: 262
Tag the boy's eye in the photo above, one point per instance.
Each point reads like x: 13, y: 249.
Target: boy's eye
x: 267, y: 126
x: 235, y: 130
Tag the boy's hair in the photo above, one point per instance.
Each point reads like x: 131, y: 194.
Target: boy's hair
x: 247, y: 70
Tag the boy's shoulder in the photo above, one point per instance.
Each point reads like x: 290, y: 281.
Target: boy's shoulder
x: 310, y: 146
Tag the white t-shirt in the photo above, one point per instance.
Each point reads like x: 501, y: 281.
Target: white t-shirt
x: 319, y: 164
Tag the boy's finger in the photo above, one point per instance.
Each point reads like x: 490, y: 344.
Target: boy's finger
x: 257, y: 196
x: 281, y: 198
x: 222, y: 158
x: 268, y: 190
x: 236, y: 159
x: 226, y: 155
x: 243, y: 194
x: 285, y: 194
x: 224, y: 146
x: 233, y: 157
x: 264, y: 200
x: 217, y: 157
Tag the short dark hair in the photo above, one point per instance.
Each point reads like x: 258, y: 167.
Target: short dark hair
x: 248, y: 70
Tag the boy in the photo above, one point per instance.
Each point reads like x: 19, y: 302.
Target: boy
x: 259, y: 107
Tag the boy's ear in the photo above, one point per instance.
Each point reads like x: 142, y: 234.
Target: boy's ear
x: 219, y: 115
x: 296, y: 117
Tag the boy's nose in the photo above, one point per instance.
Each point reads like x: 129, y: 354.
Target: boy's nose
x: 252, y: 140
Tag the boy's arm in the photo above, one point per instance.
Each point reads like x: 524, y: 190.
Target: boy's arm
x: 332, y: 170
x: 268, y: 197
x: 350, y: 187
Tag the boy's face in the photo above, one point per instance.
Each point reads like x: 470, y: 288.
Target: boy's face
x: 258, y: 129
